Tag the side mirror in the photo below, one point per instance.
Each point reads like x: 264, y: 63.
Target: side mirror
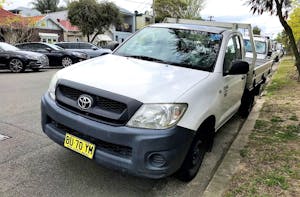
x: 94, y: 48
x: 49, y: 49
x: 269, y: 53
x: 239, y: 68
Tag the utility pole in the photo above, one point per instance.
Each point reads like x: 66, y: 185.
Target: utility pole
x: 153, y: 8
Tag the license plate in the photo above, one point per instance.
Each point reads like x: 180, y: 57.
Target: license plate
x: 79, y: 145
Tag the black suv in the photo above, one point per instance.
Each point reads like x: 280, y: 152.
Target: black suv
x: 88, y: 48
x: 57, y: 55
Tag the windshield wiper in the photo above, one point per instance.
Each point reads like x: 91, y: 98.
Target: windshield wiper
x: 146, y: 58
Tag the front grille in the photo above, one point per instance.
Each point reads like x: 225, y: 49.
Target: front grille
x: 115, y: 149
x: 101, y: 102
x: 107, y: 107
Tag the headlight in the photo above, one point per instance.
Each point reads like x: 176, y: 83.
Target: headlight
x: 157, y: 116
x: 31, y: 57
x: 52, y: 86
x: 80, y: 55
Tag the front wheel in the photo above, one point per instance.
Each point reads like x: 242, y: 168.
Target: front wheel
x: 193, y: 160
x: 35, y: 69
x: 16, y: 66
x: 66, y: 61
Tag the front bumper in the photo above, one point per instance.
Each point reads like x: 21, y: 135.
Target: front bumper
x: 41, y: 63
x: 141, y: 152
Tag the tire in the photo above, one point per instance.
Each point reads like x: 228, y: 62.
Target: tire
x: 35, y: 69
x: 16, y: 65
x: 195, y: 155
x: 66, y: 61
x: 247, y: 104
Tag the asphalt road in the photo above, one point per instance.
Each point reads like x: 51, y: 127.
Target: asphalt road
x: 32, y: 165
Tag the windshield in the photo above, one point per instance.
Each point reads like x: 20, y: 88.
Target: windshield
x: 260, y: 46
x: 8, y: 47
x: 55, y: 47
x: 185, y: 48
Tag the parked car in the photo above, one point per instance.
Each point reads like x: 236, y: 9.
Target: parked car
x: 152, y: 107
x: 57, y: 55
x: 88, y: 48
x: 14, y: 59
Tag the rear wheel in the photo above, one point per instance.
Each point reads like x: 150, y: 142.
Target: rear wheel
x: 247, y: 104
x: 66, y: 61
x: 16, y: 66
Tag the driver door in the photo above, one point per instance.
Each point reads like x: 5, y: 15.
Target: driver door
x: 233, y: 84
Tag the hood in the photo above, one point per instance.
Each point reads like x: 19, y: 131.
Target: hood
x: 33, y: 55
x: 146, y: 81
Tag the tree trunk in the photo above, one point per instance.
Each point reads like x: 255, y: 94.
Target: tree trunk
x: 88, y: 37
x: 94, y: 37
x: 290, y: 34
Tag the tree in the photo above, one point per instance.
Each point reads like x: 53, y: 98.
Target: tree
x: 294, y: 22
x: 1, y: 3
x: 45, y: 6
x: 256, y: 30
x: 281, y: 8
x: 93, y: 18
x: 16, y: 29
x: 189, y: 9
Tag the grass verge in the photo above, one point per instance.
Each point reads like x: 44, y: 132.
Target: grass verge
x: 271, y: 160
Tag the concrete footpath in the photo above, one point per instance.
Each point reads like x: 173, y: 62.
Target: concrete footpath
x: 230, y: 164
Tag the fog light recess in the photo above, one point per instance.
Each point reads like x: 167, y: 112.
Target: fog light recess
x: 157, y: 160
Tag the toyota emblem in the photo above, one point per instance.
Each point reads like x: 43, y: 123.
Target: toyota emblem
x: 85, y: 102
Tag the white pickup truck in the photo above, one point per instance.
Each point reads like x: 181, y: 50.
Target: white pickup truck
x: 152, y: 107
x: 264, y: 58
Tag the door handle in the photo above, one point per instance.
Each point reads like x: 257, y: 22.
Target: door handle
x: 243, y: 77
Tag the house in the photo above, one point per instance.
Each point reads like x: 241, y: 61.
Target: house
x: 143, y: 20
x: 125, y: 30
x: 118, y: 34
x: 26, y: 11
x: 16, y: 28
x: 47, y: 29
x: 71, y: 32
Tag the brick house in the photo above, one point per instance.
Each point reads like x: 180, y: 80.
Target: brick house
x: 39, y: 28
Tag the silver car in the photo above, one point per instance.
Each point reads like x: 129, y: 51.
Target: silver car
x: 88, y: 48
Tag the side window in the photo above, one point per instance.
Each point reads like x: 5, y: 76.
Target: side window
x: 233, y: 52
x: 85, y: 46
x: 41, y: 46
x: 22, y: 46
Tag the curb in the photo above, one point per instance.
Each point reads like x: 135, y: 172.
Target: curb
x: 230, y: 164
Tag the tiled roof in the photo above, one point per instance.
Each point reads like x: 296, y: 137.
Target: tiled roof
x: 5, y: 13
x: 67, y: 25
x: 34, y: 19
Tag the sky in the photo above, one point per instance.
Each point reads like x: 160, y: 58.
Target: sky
x: 220, y: 10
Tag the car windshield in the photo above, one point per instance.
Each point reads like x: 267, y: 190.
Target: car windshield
x: 260, y: 46
x: 8, y: 47
x: 55, y: 47
x: 179, y: 47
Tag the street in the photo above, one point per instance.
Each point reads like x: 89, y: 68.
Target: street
x: 33, y: 165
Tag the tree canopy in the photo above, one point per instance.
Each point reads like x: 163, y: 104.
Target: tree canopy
x: 256, y: 30
x: 189, y: 9
x: 294, y: 22
x: 93, y: 18
x: 281, y: 8
x: 45, y: 6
